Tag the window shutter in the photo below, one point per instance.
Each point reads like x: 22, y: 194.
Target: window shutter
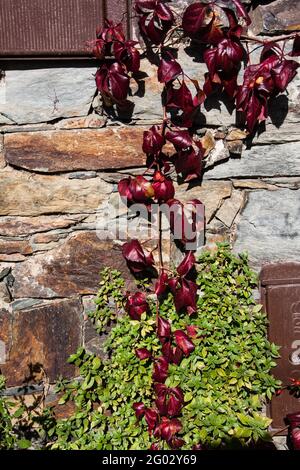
x: 280, y: 295
x: 54, y: 27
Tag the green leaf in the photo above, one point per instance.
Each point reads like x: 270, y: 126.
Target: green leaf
x: 23, y: 444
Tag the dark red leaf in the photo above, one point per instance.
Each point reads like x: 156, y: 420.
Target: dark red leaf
x: 97, y: 48
x: 151, y: 417
x: 172, y: 354
x: 175, y: 402
x: 119, y: 82
x: 181, y: 98
x: 136, y: 190
x: 205, y: 22
x: 153, y: 141
x: 186, y: 220
x: 168, y: 70
x: 163, y: 11
x: 128, y: 55
x: 152, y: 25
x: 226, y: 57
x: 284, y: 73
x: 180, y: 139
x: 161, y: 284
x: 169, y: 427
x: 189, y: 163
x: 186, y: 264
x: 169, y: 401
x: 143, y: 353
x: 136, y: 305
x: 139, y: 409
x: 293, y: 419
x: 193, y: 18
x: 176, y: 443
x: 111, y: 32
x: 160, y: 370
x: 154, y: 446
x: 185, y: 296
x: 113, y: 81
x: 296, y: 46
x: 136, y: 258
x: 163, y: 329
x: 192, y: 331
x: 163, y: 187
x: 184, y: 342
x: 295, y: 438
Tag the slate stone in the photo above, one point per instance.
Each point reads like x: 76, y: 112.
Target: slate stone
x: 260, y: 161
x: 9, y: 247
x: 276, y: 17
x: 15, y: 226
x: 41, y: 337
x: 269, y: 227
x: 210, y: 193
x: 230, y: 208
x: 27, y: 194
x: 35, y: 94
x: 71, y: 269
x: 63, y: 151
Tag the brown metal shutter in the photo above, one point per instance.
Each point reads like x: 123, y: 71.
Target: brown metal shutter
x: 54, y: 27
x: 280, y: 289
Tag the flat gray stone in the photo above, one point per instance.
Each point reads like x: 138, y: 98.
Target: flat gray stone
x: 44, y: 94
x: 269, y: 227
x: 261, y: 161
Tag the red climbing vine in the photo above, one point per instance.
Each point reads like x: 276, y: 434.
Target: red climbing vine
x: 219, y: 28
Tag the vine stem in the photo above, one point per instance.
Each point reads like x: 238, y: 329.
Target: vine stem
x: 160, y: 255
x: 279, y: 431
x: 283, y: 37
x: 159, y: 219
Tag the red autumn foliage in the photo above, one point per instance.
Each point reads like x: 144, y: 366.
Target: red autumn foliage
x: 136, y: 190
x: 156, y: 18
x: 220, y: 26
x: 136, y: 257
x: 136, y: 305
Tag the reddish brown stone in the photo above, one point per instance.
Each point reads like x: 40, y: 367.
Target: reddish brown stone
x: 15, y: 226
x: 71, y: 269
x: 9, y: 247
x: 276, y: 17
x: 13, y: 258
x: 61, y: 411
x: 48, y: 152
x: 5, y: 335
x: 41, y: 339
x: 28, y: 194
x: 46, y: 237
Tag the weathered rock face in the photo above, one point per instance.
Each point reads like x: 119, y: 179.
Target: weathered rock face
x: 39, y: 340
x: 64, y: 151
x: 26, y: 194
x: 261, y: 161
x: 44, y: 94
x: 71, y: 269
x: 61, y: 158
x: 276, y: 17
x: 15, y: 226
x: 269, y: 227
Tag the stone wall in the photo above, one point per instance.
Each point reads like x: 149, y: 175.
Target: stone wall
x: 61, y: 157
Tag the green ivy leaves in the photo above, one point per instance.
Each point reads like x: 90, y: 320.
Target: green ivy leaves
x: 226, y: 380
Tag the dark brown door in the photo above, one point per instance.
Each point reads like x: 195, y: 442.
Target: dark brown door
x: 280, y: 287
x: 54, y: 27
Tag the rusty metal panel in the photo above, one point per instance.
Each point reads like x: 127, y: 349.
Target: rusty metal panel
x: 53, y: 27
x: 280, y: 291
